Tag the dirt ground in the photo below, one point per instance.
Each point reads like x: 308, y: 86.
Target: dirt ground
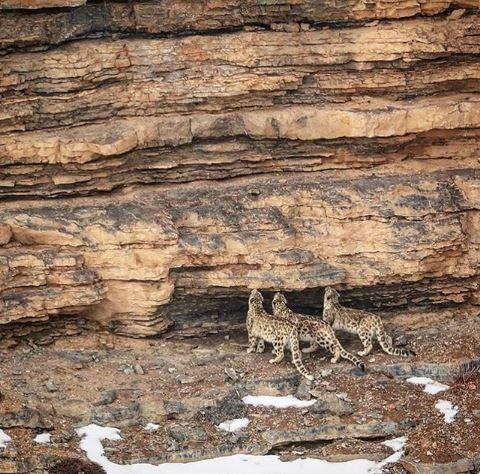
x: 189, y: 386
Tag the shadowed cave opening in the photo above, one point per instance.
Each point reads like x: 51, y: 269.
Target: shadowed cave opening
x: 194, y: 312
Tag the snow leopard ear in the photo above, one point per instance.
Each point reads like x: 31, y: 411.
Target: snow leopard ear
x: 331, y: 294
x: 278, y: 297
x: 255, y: 295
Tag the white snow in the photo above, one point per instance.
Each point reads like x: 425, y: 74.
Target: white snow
x: 4, y: 439
x: 447, y: 409
x: 91, y: 443
x: 92, y: 436
x: 288, y: 401
x: 395, y: 457
x: 431, y: 386
x: 234, y: 425
x: 397, y: 444
x: 43, y: 438
x: 151, y: 427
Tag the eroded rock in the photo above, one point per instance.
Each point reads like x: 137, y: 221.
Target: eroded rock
x: 328, y: 403
x: 26, y: 417
x: 116, y: 415
x: 107, y: 397
x: 331, y: 432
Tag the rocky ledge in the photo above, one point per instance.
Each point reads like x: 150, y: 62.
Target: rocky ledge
x: 169, y: 398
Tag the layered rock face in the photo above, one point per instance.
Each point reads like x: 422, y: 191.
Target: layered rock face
x: 161, y: 158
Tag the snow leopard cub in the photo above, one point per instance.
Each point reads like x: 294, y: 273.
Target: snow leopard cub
x: 315, y: 331
x: 263, y: 327
x: 355, y: 321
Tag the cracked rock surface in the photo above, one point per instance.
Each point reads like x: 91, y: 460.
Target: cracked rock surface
x: 186, y: 391
x: 158, y: 162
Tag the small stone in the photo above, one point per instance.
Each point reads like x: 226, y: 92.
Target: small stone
x: 326, y: 372
x: 77, y: 410
x: 107, y: 397
x: 172, y: 370
x: 187, y: 434
x: 26, y: 417
x: 105, y: 415
x: 303, y: 390
x: 456, y: 14
x: 173, y: 407
x: 227, y: 337
x: 32, y: 344
x: 231, y: 373
x: 327, y: 387
x: 329, y: 404
x: 173, y: 446
x: 139, y: 369
x: 51, y: 387
x: 64, y: 437
x: 251, y: 28
x: 129, y: 370
x: 78, y: 366
x: 343, y: 396
x: 188, y: 380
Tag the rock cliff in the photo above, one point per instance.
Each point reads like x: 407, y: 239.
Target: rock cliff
x: 160, y: 158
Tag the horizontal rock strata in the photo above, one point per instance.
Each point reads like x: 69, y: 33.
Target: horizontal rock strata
x: 147, y: 17
x: 138, y: 77
x: 158, y: 162
x: 285, y: 232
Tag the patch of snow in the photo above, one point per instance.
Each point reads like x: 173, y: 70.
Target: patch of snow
x: 91, y: 443
x: 43, y: 438
x: 92, y: 436
x: 4, y: 439
x: 234, y: 425
x: 431, y: 386
x: 395, y: 457
x: 397, y: 444
x: 447, y: 409
x: 151, y: 427
x: 288, y: 401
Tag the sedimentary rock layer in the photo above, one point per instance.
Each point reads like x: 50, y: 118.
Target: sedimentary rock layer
x: 41, y: 283
x: 283, y: 232
x: 158, y: 161
x: 90, y: 81
x: 84, y: 159
x: 153, y: 17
